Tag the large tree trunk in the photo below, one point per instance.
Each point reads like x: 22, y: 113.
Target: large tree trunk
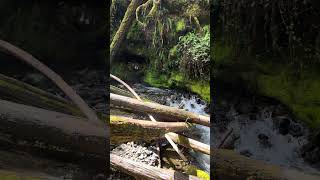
x: 143, y: 171
x: 230, y: 165
x: 168, y: 113
x: 123, y: 28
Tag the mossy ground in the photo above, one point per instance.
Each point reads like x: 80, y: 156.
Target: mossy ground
x: 176, y: 80
x: 301, y: 93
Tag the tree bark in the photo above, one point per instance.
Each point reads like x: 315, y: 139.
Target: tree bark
x: 173, y: 114
x: 57, y: 130
x: 123, y: 28
x: 143, y: 171
x: 20, y: 92
x: 125, y: 129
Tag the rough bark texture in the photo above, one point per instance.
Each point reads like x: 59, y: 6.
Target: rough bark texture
x: 190, y: 143
x: 174, y: 114
x: 230, y: 165
x: 123, y: 28
x: 142, y: 171
x: 59, y: 131
x: 29, y: 59
x: 125, y: 129
x: 20, y: 92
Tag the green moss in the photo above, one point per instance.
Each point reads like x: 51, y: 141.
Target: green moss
x: 203, y: 175
x: 221, y: 53
x: 301, y: 94
x: 180, y: 25
x: 176, y: 80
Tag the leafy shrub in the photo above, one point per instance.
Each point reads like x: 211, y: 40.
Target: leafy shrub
x: 194, y: 50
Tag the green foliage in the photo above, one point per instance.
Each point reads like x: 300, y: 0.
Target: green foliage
x: 194, y: 52
x: 177, y: 80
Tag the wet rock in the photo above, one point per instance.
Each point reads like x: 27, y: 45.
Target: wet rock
x: 246, y: 153
x: 244, y: 108
x: 296, y: 130
x: 192, y: 106
x: 264, y: 140
x: 312, y: 156
x: 284, y: 126
x: 199, y: 101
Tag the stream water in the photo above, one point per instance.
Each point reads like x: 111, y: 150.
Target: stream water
x: 263, y: 131
x: 188, y: 102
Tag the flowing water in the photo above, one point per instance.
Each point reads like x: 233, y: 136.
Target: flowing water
x: 188, y: 102
x: 262, y: 132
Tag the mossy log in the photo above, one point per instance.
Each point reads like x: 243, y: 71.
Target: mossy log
x: 230, y: 165
x: 143, y: 171
x: 159, y: 110
x: 124, y: 129
x: 190, y: 143
x: 20, y: 92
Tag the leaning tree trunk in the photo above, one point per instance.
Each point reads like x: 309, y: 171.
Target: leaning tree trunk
x: 123, y: 28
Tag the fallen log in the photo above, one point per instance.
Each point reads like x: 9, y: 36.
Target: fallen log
x: 124, y: 129
x: 157, y: 109
x: 143, y: 171
x: 190, y: 143
x: 64, y: 132
x: 74, y: 133
x: 20, y: 92
x: 230, y: 165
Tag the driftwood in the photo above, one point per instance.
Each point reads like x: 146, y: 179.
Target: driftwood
x: 142, y: 171
x: 230, y: 165
x: 174, y: 114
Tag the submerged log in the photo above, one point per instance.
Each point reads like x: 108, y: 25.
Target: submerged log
x: 20, y: 92
x: 230, y: 165
x: 125, y: 129
x: 143, y: 171
x: 159, y: 110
